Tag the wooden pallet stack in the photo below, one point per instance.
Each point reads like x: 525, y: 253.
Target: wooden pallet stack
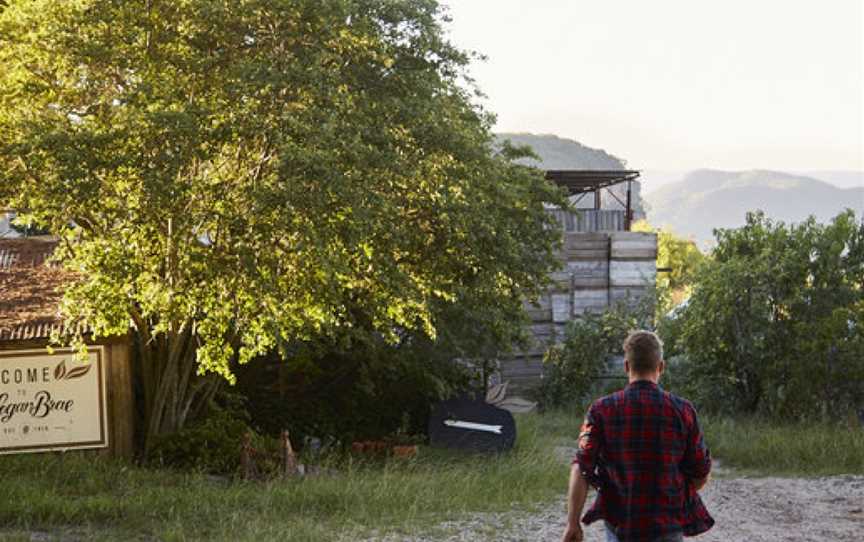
x: 598, y: 270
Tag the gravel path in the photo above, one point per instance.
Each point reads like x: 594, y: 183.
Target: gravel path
x: 827, y: 509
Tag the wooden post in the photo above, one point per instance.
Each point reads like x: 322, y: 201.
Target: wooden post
x: 247, y: 462
x: 289, y: 460
x: 121, y: 402
x: 628, y: 216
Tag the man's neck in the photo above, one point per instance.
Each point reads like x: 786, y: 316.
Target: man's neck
x: 653, y: 378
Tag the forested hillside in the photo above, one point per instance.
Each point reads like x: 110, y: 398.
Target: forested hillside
x: 561, y: 153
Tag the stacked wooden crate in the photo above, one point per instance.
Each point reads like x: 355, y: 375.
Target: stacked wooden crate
x: 598, y: 270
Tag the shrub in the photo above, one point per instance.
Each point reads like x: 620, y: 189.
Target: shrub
x: 210, y: 446
x: 360, y: 392
x: 573, y: 368
x: 774, y: 323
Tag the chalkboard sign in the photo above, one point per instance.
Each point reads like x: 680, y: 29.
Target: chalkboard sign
x: 468, y: 424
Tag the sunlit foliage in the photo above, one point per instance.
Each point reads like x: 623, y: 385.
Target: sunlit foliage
x: 235, y: 176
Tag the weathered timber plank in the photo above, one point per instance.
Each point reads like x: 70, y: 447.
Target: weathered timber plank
x: 632, y: 280
x: 619, y: 293
x: 589, y: 282
x: 625, y: 236
x: 634, y: 253
x: 586, y: 237
x: 582, y: 244
x: 582, y: 255
x: 588, y: 296
x: 619, y: 274
x: 620, y: 266
x: 118, y: 388
x: 634, y: 245
x: 561, y: 307
x: 589, y: 268
x: 561, y: 281
x: 632, y: 273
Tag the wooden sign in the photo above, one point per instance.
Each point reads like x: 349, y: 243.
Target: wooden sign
x: 52, y: 401
x: 467, y: 424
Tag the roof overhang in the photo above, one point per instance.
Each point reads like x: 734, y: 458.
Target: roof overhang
x: 580, y: 181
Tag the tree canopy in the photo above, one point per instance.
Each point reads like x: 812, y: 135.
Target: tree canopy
x: 235, y: 176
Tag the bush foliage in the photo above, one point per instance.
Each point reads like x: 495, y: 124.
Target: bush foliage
x: 210, y: 446
x: 774, y: 323
x: 574, y: 367
x: 363, y: 390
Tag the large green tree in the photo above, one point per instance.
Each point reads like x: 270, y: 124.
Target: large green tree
x: 233, y: 176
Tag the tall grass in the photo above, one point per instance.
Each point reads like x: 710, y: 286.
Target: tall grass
x: 800, y: 449
x: 73, y: 496
x: 76, y: 496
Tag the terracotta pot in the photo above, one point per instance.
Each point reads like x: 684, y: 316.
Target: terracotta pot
x: 405, y: 451
x: 376, y: 446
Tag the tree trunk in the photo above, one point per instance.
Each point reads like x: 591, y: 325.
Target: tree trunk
x: 172, y: 394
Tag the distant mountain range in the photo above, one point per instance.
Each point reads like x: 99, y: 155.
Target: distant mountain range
x: 693, y: 203
x: 706, y: 199
x: 653, y: 179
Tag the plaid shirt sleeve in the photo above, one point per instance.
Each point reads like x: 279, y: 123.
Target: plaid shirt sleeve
x: 697, y: 459
x: 589, y: 445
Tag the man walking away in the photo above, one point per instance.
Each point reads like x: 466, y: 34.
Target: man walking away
x: 644, y: 452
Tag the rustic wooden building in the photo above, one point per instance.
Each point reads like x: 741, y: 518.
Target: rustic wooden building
x: 54, y: 400
x: 602, y: 263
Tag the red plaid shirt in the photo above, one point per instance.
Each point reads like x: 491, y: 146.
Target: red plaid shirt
x: 641, y: 448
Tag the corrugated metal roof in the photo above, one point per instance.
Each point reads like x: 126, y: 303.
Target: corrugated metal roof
x: 24, y: 332
x: 30, y: 289
x: 580, y: 181
x: 28, y: 252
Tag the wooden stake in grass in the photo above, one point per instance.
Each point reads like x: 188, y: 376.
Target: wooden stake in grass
x: 247, y: 461
x: 289, y: 460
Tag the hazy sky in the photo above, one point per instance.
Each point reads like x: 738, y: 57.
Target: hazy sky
x: 677, y: 84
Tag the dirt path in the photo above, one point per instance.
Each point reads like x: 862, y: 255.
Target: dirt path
x: 746, y: 510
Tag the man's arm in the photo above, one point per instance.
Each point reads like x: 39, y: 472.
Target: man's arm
x: 577, y: 491
x: 582, y: 473
x: 697, y: 458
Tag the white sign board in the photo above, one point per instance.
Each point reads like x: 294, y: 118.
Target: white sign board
x: 52, y: 401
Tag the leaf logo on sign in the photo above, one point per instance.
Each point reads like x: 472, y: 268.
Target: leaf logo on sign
x: 60, y: 372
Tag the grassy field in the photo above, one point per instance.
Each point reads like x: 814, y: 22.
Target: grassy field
x: 74, y: 497
x: 757, y: 446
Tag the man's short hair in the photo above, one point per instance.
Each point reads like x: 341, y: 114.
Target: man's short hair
x: 643, y: 350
